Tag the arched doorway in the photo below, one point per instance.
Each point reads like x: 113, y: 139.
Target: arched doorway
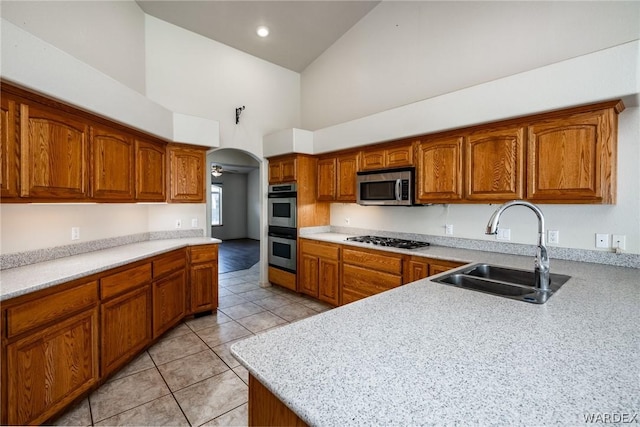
x: 234, y: 208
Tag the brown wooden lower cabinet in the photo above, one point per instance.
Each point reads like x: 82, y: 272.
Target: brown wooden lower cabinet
x: 125, y: 323
x: 282, y: 278
x: 319, y: 273
x: 421, y: 267
x: 265, y: 409
x: 60, y: 343
x: 51, y: 367
x: 367, y: 272
x: 169, y: 302
x: 203, y: 278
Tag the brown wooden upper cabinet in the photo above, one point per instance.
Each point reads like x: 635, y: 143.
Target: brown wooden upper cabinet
x: 9, y: 149
x: 494, y: 164
x: 387, y: 157
x: 54, y: 154
x: 283, y: 169
x: 572, y: 159
x: 112, y: 165
x: 327, y: 178
x: 337, y: 177
x: 439, y: 170
x: 150, y: 171
x: 187, y: 168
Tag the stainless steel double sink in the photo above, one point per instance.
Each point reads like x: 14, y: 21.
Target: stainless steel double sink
x: 502, y: 281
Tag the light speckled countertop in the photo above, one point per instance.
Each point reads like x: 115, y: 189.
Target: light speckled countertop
x: 431, y: 354
x: 23, y: 280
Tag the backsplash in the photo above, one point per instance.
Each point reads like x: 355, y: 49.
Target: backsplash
x: 19, y: 259
x: 569, y: 254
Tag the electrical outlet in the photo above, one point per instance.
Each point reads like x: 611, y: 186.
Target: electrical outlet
x: 619, y: 241
x: 178, y: 223
x: 553, y: 236
x: 194, y: 222
x: 75, y: 233
x: 347, y: 220
x: 504, y: 234
x: 602, y: 240
x: 448, y: 229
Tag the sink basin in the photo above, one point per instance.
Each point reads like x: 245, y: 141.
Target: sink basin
x: 502, y: 281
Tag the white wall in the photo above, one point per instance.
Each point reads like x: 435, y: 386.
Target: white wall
x: 109, y: 36
x: 234, y: 207
x: 50, y: 62
x: 253, y: 205
x: 406, y: 51
x: 390, y: 66
x: 35, y: 226
x: 191, y: 74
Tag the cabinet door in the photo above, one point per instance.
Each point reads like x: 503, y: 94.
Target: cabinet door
x: 289, y: 170
x: 440, y: 170
x: 327, y: 179
x: 346, y: 177
x: 112, y: 165
x: 417, y: 269
x: 54, y: 154
x: 204, y: 287
x: 9, y: 153
x: 150, y: 171
x: 328, y: 280
x: 187, y: 174
x: 399, y: 156
x: 372, y: 159
x: 494, y: 165
x: 50, y: 368
x: 573, y: 159
x: 308, y: 281
x: 169, y: 302
x: 275, y: 171
x: 125, y: 327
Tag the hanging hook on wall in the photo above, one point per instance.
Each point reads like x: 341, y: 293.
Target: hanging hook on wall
x: 238, y: 112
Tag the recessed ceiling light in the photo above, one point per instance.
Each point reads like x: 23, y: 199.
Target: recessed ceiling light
x: 262, y: 31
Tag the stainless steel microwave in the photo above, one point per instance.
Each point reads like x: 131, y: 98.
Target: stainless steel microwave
x: 393, y: 187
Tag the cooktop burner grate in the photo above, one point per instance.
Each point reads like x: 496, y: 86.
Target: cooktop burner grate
x: 389, y: 241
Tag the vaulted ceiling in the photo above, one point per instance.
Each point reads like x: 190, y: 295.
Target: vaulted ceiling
x: 299, y: 30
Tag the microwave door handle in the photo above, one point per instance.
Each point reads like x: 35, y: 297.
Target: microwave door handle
x: 398, y: 190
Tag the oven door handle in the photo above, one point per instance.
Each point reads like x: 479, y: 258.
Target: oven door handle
x: 282, y: 236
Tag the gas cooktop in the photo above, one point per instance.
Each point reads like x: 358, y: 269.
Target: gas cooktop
x: 389, y: 241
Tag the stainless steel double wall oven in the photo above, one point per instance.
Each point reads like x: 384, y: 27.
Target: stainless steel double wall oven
x: 283, y: 231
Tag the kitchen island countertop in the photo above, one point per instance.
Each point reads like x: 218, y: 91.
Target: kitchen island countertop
x: 431, y: 354
x: 29, y: 278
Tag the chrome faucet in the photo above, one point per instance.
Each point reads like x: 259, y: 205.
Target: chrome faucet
x: 542, y: 258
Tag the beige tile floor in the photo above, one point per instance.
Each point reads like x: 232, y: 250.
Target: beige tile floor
x: 189, y: 377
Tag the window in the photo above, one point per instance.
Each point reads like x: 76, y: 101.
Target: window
x: 216, y: 204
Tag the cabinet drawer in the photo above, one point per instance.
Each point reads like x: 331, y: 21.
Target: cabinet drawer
x: 32, y: 314
x: 169, y: 262
x: 323, y: 250
x: 373, y: 260
x: 367, y: 281
x: 124, y: 280
x: 282, y: 278
x: 204, y: 253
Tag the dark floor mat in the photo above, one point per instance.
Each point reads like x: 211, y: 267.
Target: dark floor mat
x: 238, y: 254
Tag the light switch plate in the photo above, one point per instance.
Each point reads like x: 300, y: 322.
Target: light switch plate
x: 504, y: 234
